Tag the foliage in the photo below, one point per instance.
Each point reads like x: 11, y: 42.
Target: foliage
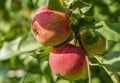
x: 24, y: 60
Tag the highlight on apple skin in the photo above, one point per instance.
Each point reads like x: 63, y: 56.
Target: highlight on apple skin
x: 92, y: 45
x: 68, y: 62
x: 50, y: 27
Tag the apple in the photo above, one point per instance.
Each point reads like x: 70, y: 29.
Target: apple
x: 50, y: 27
x: 94, y: 45
x: 68, y: 62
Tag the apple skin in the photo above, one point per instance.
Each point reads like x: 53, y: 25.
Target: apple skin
x: 95, y: 48
x: 68, y: 62
x: 50, y: 27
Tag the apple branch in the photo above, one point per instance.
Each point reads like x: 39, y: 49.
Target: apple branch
x: 87, y: 59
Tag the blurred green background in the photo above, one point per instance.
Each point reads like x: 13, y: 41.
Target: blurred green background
x: 17, y: 44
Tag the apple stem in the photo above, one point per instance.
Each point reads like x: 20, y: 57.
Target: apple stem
x: 88, y: 67
x: 75, y: 41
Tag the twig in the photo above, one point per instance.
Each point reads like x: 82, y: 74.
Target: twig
x: 88, y: 67
x: 87, y: 59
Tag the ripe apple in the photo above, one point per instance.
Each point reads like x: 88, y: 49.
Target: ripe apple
x: 68, y: 62
x: 50, y: 27
x: 92, y: 44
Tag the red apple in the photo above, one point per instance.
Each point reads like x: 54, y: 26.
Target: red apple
x: 68, y: 62
x: 50, y: 27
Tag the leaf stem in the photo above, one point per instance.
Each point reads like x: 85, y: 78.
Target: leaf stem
x: 95, y: 64
x: 91, y: 64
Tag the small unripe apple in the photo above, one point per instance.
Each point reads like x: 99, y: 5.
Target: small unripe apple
x: 68, y: 62
x: 93, y: 45
x: 50, y: 27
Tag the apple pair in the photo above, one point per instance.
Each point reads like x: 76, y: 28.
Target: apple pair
x: 52, y: 28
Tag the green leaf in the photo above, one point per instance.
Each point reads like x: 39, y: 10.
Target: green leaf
x: 112, y: 62
x: 89, y: 1
x: 44, y: 77
x: 116, y: 47
x: 41, y: 53
x: 16, y: 47
x: 4, y: 26
x: 9, y: 49
x: 114, y: 27
x: 28, y: 44
x: 109, y: 31
x: 31, y: 78
x: 112, y: 46
x: 34, y: 48
x: 63, y: 81
x: 47, y: 72
x: 42, y: 2
x: 4, y: 80
x: 57, y: 5
x: 84, y: 7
